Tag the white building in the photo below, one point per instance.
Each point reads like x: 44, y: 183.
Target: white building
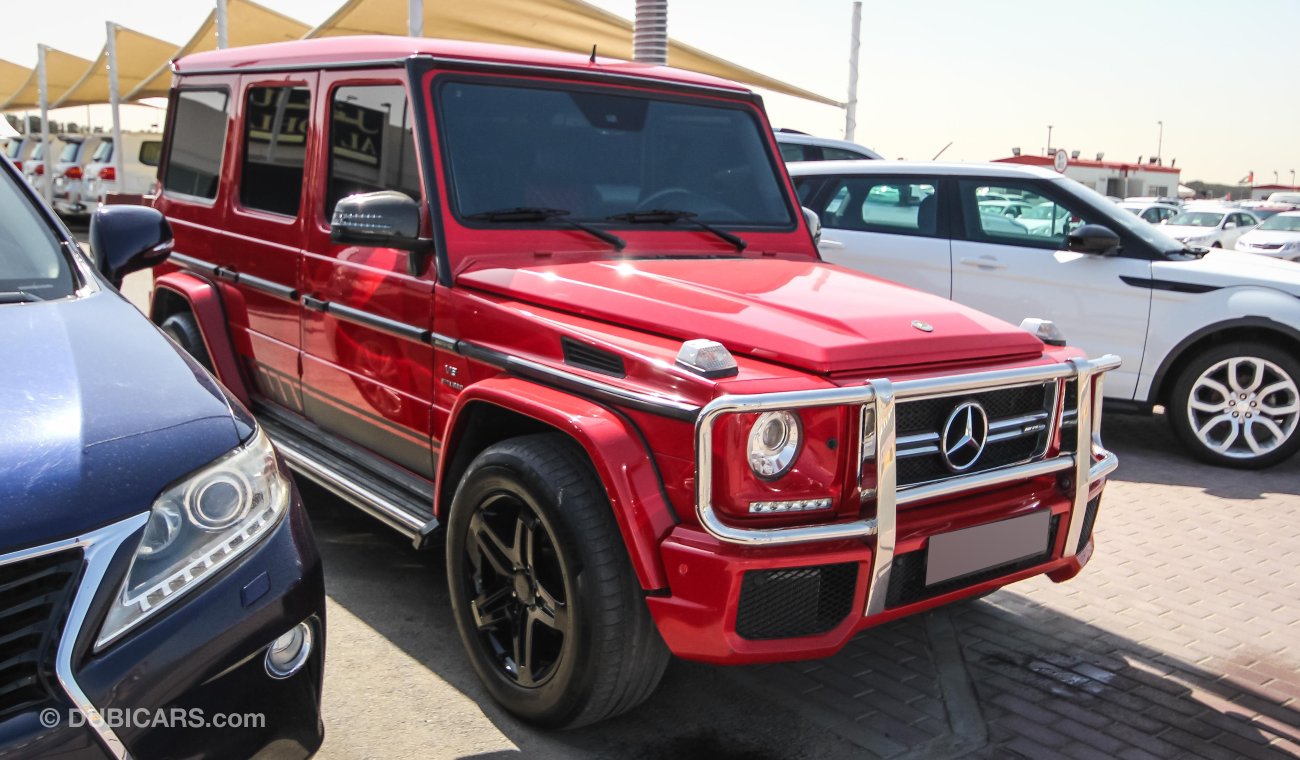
x: 1113, y: 178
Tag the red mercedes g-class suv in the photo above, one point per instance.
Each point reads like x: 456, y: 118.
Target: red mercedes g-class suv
x: 565, y: 314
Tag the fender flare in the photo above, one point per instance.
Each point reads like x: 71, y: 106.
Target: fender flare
x: 1180, y: 351
x: 613, y: 444
x: 204, y: 301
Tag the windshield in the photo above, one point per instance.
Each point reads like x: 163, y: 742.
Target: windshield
x: 596, y: 154
x: 13, y: 148
x: 1197, y: 219
x: 69, y: 153
x: 39, y: 152
x: 1282, y: 223
x: 1045, y: 211
x: 1109, y: 213
x: 32, y: 266
x: 104, y: 153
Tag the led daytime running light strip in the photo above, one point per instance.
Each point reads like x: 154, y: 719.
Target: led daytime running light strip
x: 798, y: 505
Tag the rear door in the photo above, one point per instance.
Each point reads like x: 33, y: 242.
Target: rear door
x: 888, y: 226
x: 367, y: 374
x: 1021, y: 268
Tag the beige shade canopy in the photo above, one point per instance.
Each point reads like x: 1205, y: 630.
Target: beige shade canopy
x: 137, y: 58
x: 248, y: 24
x: 569, y: 25
x: 12, y: 77
x: 62, y: 71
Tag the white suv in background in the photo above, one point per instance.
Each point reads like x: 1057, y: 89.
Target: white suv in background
x: 1213, y: 336
x: 1210, y: 226
x: 799, y: 146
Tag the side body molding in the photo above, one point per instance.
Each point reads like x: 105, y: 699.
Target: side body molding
x: 614, y: 446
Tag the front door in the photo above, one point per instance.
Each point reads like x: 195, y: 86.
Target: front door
x: 366, y: 374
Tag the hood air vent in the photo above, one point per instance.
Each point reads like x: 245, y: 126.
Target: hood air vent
x: 591, y: 358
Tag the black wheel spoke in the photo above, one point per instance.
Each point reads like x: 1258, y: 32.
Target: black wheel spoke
x: 523, y: 649
x: 488, y: 546
x: 492, y: 610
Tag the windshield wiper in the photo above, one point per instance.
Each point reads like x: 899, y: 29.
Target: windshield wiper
x: 537, y: 214
x: 667, y: 216
x: 17, y: 296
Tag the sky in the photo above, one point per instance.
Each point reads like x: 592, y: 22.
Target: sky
x: 985, y: 76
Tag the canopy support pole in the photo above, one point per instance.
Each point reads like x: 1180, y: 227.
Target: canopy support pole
x: 415, y: 18
x: 650, y: 32
x: 48, y: 159
x: 855, y: 41
x: 114, y: 105
x: 223, y: 25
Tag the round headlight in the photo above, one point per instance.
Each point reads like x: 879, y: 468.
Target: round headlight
x: 219, y: 502
x: 774, y: 444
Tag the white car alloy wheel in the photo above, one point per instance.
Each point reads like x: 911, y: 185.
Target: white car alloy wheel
x: 1243, y: 407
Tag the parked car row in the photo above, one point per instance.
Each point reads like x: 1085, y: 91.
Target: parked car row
x: 84, y: 171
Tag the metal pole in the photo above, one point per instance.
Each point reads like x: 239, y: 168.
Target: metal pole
x: 1049, y: 139
x: 48, y: 159
x: 855, y: 41
x: 223, y: 25
x: 650, y: 34
x: 114, y: 101
x: 1160, y: 144
x: 415, y: 18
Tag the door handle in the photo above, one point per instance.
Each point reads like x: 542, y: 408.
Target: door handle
x: 833, y: 245
x: 984, y: 262
x: 315, y: 304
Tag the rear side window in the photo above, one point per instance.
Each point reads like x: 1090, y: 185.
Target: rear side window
x: 839, y: 154
x: 197, y: 142
x: 150, y: 152
x: 372, y: 143
x: 791, y: 152
x: 70, y: 151
x: 906, y: 206
x: 275, y: 148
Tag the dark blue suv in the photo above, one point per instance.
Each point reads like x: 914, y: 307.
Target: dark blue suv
x: 161, y: 593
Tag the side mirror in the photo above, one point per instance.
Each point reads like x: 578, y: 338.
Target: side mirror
x: 127, y: 239
x: 1093, y: 239
x: 1230, y: 226
x: 387, y: 219
x: 814, y: 224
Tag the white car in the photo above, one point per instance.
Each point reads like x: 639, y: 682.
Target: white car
x: 1288, y: 198
x: 1210, y: 226
x: 1151, y: 212
x: 69, y: 172
x: 140, y: 156
x: 1278, y: 237
x: 798, y: 146
x: 1213, y: 337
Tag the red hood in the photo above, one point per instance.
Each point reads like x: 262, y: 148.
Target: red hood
x: 806, y: 314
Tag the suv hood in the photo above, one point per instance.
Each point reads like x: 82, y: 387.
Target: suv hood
x: 806, y: 314
x: 98, y: 413
x: 1227, y: 269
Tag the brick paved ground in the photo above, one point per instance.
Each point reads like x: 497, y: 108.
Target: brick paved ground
x: 1180, y: 639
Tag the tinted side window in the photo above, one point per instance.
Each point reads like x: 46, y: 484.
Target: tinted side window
x: 372, y: 143
x: 275, y: 148
x: 907, y: 206
x: 197, y: 142
x: 150, y: 152
x: 839, y: 154
x: 1044, y: 223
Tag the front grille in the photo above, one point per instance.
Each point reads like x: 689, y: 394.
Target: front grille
x: 1019, y: 422
x: 907, y: 579
x: 1089, y: 518
x: 800, y: 601
x: 34, y: 597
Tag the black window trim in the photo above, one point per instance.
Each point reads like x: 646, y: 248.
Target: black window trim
x: 391, y: 78
x: 165, y: 159
x: 237, y: 202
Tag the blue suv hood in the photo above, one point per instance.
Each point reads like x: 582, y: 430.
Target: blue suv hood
x: 99, y: 412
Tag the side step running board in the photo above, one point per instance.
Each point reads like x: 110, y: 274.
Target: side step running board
x: 403, y: 505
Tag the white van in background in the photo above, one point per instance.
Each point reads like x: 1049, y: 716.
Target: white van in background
x: 140, y: 154
x: 19, y: 149
x: 69, y: 170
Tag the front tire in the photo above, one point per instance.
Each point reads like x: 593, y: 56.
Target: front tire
x: 1238, y: 405
x: 542, y: 591
x: 184, y: 329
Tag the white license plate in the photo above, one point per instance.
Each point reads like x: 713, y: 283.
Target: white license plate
x: 970, y: 550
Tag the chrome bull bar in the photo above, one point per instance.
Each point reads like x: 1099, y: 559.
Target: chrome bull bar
x: 883, y: 396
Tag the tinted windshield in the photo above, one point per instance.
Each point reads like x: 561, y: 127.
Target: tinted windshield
x: 103, y: 153
x: 596, y: 154
x: 1283, y: 223
x: 1197, y: 219
x: 31, y: 261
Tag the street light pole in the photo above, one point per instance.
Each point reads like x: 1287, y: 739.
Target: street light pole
x: 851, y: 108
x: 1160, y: 142
x: 1049, y: 139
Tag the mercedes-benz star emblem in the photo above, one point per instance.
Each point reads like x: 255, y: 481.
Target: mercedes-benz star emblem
x: 922, y: 326
x: 965, y: 434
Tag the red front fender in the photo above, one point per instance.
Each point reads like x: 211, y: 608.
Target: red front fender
x: 205, y: 304
x: 613, y: 445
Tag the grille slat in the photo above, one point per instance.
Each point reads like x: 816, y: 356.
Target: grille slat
x: 578, y: 354
x: 34, y: 596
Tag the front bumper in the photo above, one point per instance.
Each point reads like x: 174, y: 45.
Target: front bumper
x: 191, y: 683
x: 867, y: 560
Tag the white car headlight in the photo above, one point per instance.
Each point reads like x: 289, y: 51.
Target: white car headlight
x: 1294, y: 245
x: 774, y: 444
x: 196, y: 527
